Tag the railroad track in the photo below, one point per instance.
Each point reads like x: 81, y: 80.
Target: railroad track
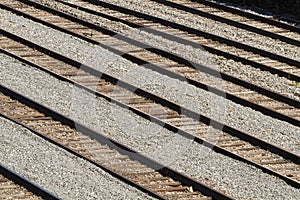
x: 115, y: 158
x: 232, y: 50
x: 230, y: 142
x: 275, y: 16
x: 261, y: 59
x: 14, y: 186
x: 234, y: 17
x: 270, y: 21
x: 237, y: 90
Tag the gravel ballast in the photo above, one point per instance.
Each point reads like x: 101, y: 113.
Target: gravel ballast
x: 253, y: 75
x: 233, y: 177
x: 56, y: 170
x: 287, y: 18
x: 214, y: 27
x: 245, y: 119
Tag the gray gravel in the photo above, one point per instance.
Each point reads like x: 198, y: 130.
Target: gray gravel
x: 210, y: 26
x: 255, y: 76
x: 287, y: 19
x: 262, y: 78
x: 195, y: 160
x: 246, y: 119
x: 56, y: 170
x: 233, y: 177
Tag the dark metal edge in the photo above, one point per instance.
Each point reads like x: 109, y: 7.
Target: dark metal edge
x: 191, y: 64
x: 249, y: 15
x: 125, y: 180
x: 194, y: 65
x: 182, y: 27
x: 229, y: 22
x: 171, y: 105
x: 161, y: 123
x: 198, y: 32
x: 24, y: 182
x: 233, y: 98
x: 193, y: 44
x: 123, y: 149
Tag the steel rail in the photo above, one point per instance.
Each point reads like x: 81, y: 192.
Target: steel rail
x: 174, y: 57
x: 249, y: 15
x: 24, y: 182
x: 256, y: 8
x: 161, y: 123
x: 133, y: 154
x: 196, y: 32
x: 61, y: 118
x: 184, y: 41
x: 193, y: 65
x: 200, y: 33
x: 243, y: 136
x: 229, y: 22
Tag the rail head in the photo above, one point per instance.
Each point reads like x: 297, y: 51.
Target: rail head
x: 167, y: 103
x: 228, y: 21
x: 180, y: 60
x: 197, y: 32
x: 154, y: 119
x: 142, y: 92
x: 123, y: 149
x: 249, y: 15
x: 24, y: 182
